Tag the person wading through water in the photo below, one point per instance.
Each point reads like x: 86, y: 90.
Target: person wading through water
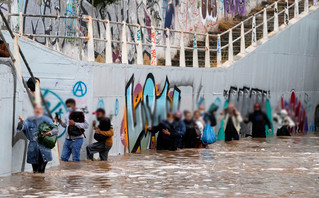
x: 259, y: 120
x: 38, y: 154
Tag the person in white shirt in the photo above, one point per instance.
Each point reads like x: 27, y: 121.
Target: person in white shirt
x: 75, y: 123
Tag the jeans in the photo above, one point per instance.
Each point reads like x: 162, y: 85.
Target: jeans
x: 98, y: 147
x: 72, y: 146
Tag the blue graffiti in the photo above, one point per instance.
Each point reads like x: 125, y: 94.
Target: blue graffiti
x: 79, y: 89
x: 55, y: 104
x: 116, y: 107
x: 147, y: 109
x: 100, y: 104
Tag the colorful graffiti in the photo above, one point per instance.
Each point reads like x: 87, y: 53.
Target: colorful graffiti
x: 296, y: 111
x: 243, y: 99
x: 146, y: 105
x: 234, y: 7
x: 187, y: 15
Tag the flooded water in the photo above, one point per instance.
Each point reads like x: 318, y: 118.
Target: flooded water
x: 275, y: 167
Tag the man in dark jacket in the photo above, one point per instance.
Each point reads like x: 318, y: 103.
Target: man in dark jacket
x: 170, y: 133
x: 192, y: 132
x: 103, y: 135
x: 179, y: 128
x: 259, y: 120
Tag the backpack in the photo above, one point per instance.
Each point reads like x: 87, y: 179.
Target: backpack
x: 76, y: 116
x: 209, y: 136
x: 104, y: 125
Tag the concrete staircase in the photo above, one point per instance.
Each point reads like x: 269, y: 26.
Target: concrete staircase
x: 236, y: 34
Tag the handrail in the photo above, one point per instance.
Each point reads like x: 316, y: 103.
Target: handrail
x: 26, y: 64
x: 152, y: 43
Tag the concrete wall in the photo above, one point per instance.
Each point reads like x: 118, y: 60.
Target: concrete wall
x: 187, y: 15
x: 13, y: 145
x: 283, y: 69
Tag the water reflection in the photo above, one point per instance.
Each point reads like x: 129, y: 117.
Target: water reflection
x: 272, y: 167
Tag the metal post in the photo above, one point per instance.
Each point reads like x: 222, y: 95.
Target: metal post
x: 182, y: 51
x: 286, y: 13
x: 153, y: 48
x: 168, y: 61
x: 16, y: 54
x: 219, y: 52
x: 276, y: 26
x: 37, y: 93
x: 124, y: 44
x: 265, y: 25
x: 21, y: 24
x: 306, y: 6
x: 242, y: 38
x: 25, y: 63
x: 230, y: 46
x: 108, y: 44
x: 195, y: 52
x: 139, y: 45
x: 91, y: 56
x: 253, y: 33
x: 296, y: 11
x: 207, y: 53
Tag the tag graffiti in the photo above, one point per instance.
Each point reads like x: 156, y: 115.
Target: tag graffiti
x: 146, y: 106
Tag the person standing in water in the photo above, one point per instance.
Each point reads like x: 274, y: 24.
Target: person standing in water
x: 259, y: 120
x: 38, y: 155
x: 232, y: 122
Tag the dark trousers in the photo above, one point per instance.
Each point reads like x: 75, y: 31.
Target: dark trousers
x: 98, y: 147
x: 40, y: 166
x: 229, y: 136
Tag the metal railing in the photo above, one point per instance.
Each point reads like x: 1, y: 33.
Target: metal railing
x: 145, y: 36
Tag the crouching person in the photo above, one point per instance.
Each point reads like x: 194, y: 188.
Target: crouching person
x: 38, y: 154
x: 103, y: 135
x: 284, y: 121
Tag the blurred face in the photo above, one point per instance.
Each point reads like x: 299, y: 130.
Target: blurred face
x: 38, y: 110
x: 201, y: 109
x: 257, y: 108
x: 188, y: 116
x: 170, y: 118
x: 70, y: 106
x: 230, y: 108
x: 177, y: 116
x: 99, y: 115
x: 197, y: 115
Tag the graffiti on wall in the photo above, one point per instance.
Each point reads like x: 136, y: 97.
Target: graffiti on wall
x: 208, y: 10
x: 244, y: 98
x: 146, y: 105
x: 186, y: 15
x: 234, y: 7
x: 296, y: 111
x: 55, y: 105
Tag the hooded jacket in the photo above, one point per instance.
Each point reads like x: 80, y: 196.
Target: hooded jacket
x: 236, y: 120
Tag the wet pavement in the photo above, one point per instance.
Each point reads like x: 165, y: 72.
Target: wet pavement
x: 275, y: 167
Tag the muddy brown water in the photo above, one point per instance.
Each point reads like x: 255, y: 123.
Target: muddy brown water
x: 272, y: 167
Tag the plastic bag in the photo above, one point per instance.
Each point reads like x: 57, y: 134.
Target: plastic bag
x: 48, y: 141
x: 209, y: 136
